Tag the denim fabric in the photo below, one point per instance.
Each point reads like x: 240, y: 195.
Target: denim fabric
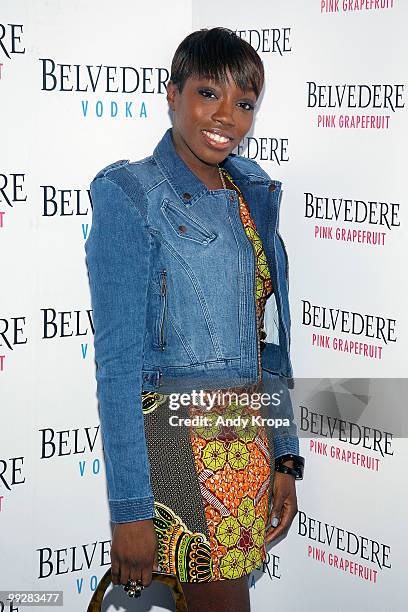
x: 171, y: 274
x: 285, y: 438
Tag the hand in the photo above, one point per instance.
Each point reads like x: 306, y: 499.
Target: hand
x: 284, y: 504
x: 134, y: 552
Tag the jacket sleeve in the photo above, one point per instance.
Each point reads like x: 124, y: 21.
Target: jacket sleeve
x: 286, y: 439
x: 118, y: 260
x: 285, y: 445
x: 285, y: 435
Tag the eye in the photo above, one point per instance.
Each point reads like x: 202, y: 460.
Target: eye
x: 206, y: 93
x: 247, y: 106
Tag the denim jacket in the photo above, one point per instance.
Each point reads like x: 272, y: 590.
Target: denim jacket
x: 171, y: 274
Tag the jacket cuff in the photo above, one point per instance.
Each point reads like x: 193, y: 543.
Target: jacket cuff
x: 128, y: 510
x: 286, y: 444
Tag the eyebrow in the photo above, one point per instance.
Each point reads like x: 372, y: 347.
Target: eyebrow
x: 219, y: 83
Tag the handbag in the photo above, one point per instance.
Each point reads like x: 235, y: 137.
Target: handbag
x: 170, y: 579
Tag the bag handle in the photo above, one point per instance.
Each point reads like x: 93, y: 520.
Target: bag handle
x: 170, y: 579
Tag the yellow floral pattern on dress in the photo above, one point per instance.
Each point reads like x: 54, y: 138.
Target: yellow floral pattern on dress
x: 233, y: 467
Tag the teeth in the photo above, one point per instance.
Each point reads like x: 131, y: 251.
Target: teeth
x: 215, y: 137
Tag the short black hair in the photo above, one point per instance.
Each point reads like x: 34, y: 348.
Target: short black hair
x: 209, y: 53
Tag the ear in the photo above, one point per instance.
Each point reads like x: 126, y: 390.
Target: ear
x: 171, y: 94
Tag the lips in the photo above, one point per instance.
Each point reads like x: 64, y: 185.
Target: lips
x: 218, y: 135
x: 217, y: 139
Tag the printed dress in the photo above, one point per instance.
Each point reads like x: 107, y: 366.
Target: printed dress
x: 212, y: 480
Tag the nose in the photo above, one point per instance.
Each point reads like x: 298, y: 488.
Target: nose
x: 224, y: 113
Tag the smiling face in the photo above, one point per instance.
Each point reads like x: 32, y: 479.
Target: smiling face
x: 209, y: 120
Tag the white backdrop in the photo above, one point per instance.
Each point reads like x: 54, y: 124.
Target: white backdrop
x: 54, y: 522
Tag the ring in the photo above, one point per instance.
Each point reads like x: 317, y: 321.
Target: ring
x: 134, y: 588
x: 275, y: 521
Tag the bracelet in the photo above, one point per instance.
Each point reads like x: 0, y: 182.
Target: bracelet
x: 296, y: 471
x: 285, y: 469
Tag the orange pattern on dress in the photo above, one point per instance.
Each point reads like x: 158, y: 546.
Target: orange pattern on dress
x: 233, y: 467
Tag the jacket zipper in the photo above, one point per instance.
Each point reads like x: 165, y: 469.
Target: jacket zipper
x: 163, y: 293
x: 256, y: 318
x: 259, y: 378
x: 258, y: 348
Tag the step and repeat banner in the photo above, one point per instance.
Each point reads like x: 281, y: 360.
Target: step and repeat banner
x: 82, y: 84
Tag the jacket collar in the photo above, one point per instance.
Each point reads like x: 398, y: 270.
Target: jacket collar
x: 183, y: 180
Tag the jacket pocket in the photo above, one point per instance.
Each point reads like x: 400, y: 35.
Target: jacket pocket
x: 160, y: 332
x: 186, y: 226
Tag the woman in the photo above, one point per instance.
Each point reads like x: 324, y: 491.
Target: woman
x: 182, y: 256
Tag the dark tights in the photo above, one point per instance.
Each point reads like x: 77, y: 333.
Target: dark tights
x: 217, y: 596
